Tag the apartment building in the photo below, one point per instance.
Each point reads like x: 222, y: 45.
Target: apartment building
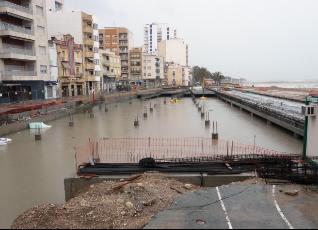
x: 154, y: 33
x: 174, y: 50
x: 118, y: 40
x: 135, y: 57
x: 24, y: 60
x: 174, y: 74
x: 110, y: 70
x: 54, y: 5
x: 52, y: 91
x: 152, y: 70
x: 84, y: 28
x: 69, y: 58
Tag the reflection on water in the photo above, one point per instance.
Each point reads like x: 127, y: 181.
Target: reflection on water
x: 32, y: 172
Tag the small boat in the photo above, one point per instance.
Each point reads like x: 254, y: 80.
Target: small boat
x: 175, y: 100
x: 38, y: 125
x: 5, y: 140
x: 2, y: 143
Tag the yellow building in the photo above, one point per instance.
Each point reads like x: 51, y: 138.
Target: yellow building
x: 110, y: 69
x: 70, y: 67
x: 174, y: 74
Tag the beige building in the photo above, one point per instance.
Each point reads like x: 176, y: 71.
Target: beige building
x: 174, y: 74
x: 110, y: 69
x: 118, y: 40
x: 84, y: 29
x: 70, y: 67
x: 152, y: 70
x: 174, y: 50
x: 24, y: 59
x: 135, y: 57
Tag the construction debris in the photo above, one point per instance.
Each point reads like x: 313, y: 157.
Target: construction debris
x: 292, y: 193
x: 128, y: 204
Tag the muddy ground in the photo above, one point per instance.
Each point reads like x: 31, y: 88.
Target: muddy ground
x: 126, y: 204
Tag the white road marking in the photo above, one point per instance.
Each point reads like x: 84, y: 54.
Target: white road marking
x: 280, y: 211
x: 224, y: 209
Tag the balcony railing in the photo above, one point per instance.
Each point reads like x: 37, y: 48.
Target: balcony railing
x: 18, y: 73
x: 11, y: 5
x: 19, y: 29
x: 13, y: 50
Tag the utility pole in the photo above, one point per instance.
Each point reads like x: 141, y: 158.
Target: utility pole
x: 254, y: 143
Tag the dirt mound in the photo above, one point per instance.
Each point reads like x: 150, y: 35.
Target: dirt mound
x: 126, y: 204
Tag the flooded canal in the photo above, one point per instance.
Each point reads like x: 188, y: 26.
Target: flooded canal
x: 32, y: 172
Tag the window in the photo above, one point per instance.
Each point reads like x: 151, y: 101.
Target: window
x: 39, y: 11
x: 96, y: 50
x: 42, y: 50
x: 96, y: 61
x: 58, y: 6
x: 43, y: 69
x: 95, y: 38
x: 95, y: 26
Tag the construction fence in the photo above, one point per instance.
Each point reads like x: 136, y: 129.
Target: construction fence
x: 132, y: 150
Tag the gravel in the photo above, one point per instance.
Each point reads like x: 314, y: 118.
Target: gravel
x: 124, y: 205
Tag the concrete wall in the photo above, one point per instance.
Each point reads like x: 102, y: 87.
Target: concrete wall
x: 74, y: 186
x: 312, y: 137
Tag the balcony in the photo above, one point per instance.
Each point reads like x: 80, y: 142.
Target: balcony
x: 18, y: 75
x: 14, y: 9
x: 92, y: 78
x: 16, y: 31
x: 88, y: 29
x: 88, y: 42
x: 17, y: 53
x: 89, y: 66
x: 89, y: 54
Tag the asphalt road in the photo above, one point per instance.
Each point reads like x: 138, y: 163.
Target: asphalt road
x: 239, y: 207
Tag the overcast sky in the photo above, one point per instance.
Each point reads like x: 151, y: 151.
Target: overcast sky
x: 261, y: 40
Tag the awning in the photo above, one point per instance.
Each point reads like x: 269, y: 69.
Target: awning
x: 66, y: 65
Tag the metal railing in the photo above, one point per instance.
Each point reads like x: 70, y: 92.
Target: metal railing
x: 19, y: 29
x: 17, y: 73
x: 28, y: 10
x: 132, y: 150
x: 14, y: 50
x: 296, y: 122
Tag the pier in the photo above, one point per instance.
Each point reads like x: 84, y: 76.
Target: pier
x: 285, y: 119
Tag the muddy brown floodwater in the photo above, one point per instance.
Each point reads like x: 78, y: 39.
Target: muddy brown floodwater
x: 32, y: 173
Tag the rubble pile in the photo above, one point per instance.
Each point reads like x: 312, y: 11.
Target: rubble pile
x: 126, y: 204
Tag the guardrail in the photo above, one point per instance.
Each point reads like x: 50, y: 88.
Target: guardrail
x: 298, y: 123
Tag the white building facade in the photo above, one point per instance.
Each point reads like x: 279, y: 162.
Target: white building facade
x: 51, y: 90
x: 152, y: 70
x: 174, y: 50
x: 154, y: 33
x: 54, y: 5
x: 24, y: 59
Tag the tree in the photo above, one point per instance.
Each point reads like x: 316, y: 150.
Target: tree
x: 217, y: 77
x: 200, y: 73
